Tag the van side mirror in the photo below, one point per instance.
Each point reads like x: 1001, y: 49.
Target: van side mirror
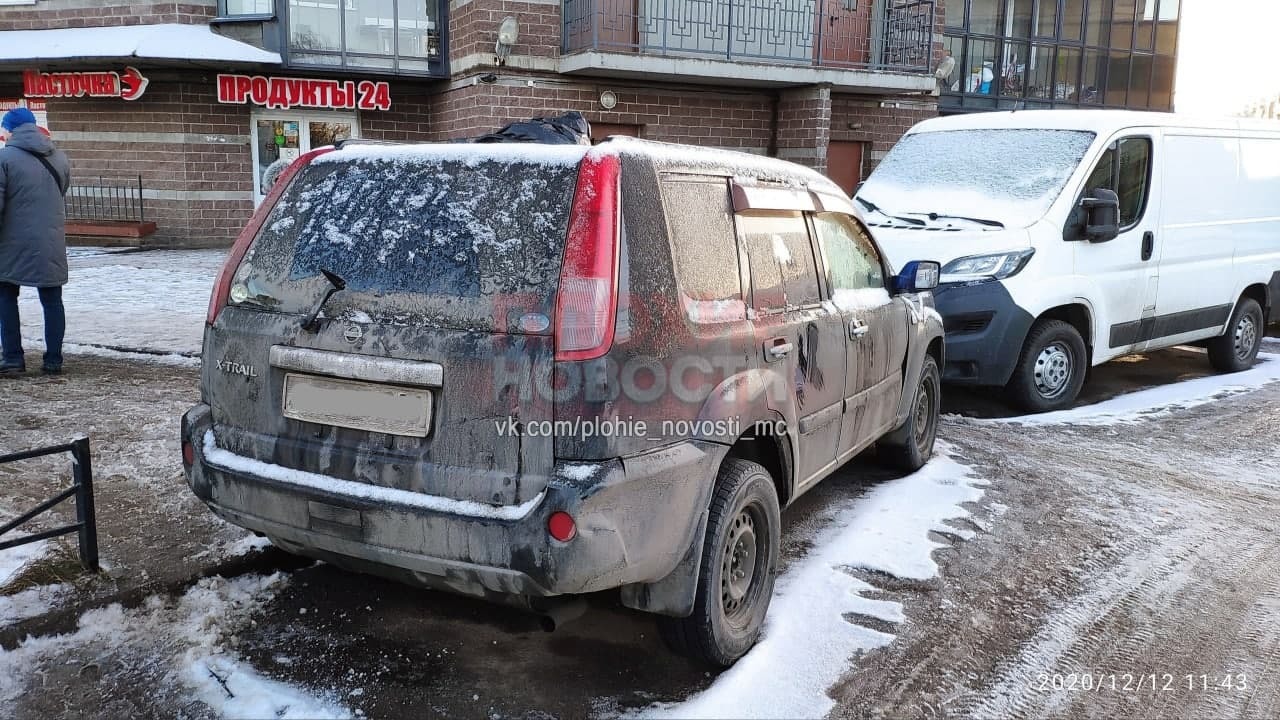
x: 1102, y: 215
x: 917, y: 276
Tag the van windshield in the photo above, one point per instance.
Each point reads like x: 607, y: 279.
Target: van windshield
x: 469, y: 238
x: 1008, y: 176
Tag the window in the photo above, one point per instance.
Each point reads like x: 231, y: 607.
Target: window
x: 391, y: 35
x: 1130, y: 179
x: 703, y: 245
x: 241, y: 8
x: 954, y: 12
x: 783, y: 272
x: 852, y: 260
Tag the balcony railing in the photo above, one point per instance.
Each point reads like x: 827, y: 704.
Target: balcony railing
x: 821, y: 33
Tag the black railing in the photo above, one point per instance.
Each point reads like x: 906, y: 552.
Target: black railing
x: 86, y: 524
x: 823, y: 33
x: 99, y: 199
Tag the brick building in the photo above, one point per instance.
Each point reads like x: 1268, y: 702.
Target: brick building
x: 172, y: 110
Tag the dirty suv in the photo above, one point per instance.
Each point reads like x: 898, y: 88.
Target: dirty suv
x: 528, y: 372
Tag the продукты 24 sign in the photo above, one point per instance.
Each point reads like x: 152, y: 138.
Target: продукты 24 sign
x: 127, y: 85
x: 280, y: 93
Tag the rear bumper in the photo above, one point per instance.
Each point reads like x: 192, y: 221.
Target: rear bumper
x: 635, y: 517
x: 985, y: 330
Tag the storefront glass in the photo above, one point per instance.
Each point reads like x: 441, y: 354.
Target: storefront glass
x: 285, y: 136
x: 1061, y: 53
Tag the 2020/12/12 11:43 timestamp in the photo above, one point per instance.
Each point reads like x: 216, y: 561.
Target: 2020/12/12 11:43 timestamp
x: 1152, y: 683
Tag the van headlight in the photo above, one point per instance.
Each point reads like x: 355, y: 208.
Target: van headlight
x: 996, y: 266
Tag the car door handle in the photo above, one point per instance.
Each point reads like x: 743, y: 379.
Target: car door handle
x: 1148, y: 245
x: 857, y: 329
x: 777, y: 348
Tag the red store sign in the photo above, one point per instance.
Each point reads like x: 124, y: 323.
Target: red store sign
x: 282, y: 93
x: 128, y: 85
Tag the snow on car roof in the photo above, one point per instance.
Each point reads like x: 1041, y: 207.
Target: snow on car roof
x: 1102, y: 122
x: 470, y: 153
x: 668, y: 156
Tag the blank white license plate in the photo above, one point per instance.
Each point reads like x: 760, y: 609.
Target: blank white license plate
x: 359, y: 405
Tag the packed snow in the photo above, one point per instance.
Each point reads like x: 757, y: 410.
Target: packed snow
x: 31, y: 602
x: 14, y: 560
x: 151, y: 302
x: 808, y: 643
x: 164, y: 41
x: 187, y: 638
x: 471, y: 154
x: 1161, y: 400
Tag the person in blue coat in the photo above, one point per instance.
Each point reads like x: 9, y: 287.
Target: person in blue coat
x: 34, y: 177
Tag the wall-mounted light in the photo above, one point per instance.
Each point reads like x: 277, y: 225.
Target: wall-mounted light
x: 508, y: 34
x: 608, y: 100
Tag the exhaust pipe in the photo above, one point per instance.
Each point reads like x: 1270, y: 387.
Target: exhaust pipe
x: 555, y: 614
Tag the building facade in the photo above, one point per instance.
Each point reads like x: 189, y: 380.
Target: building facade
x: 1016, y: 54
x: 178, y: 108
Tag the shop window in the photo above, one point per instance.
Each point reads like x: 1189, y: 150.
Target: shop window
x: 1117, y: 79
x: 984, y: 17
x: 389, y: 35
x: 1097, y: 24
x: 1046, y: 18
x: 1066, y: 87
x: 1072, y: 19
x: 1039, y: 73
x: 285, y: 136
x: 246, y: 9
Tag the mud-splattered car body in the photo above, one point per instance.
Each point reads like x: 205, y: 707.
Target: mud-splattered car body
x: 539, y: 360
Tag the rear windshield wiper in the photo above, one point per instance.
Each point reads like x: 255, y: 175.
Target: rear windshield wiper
x: 312, y: 323
x: 989, y: 223
x: 876, y: 209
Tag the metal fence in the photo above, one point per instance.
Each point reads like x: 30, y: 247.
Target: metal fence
x: 86, y: 525
x: 824, y: 33
x: 100, y: 199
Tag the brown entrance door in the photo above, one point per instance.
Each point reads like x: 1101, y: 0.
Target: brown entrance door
x: 600, y: 131
x: 844, y: 164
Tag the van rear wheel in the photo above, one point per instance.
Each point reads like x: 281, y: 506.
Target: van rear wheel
x: 739, y: 557
x: 1051, y: 370
x: 1237, y: 348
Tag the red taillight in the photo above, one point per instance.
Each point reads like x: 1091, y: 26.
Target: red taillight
x: 587, y: 300
x: 222, y: 287
x: 561, y: 526
x: 188, y: 454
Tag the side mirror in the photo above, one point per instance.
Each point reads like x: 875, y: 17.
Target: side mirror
x: 1102, y: 216
x: 917, y: 276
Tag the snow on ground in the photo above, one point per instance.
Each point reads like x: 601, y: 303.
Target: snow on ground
x: 808, y: 644
x: 32, y: 602
x: 153, y: 301
x: 13, y: 560
x: 1161, y: 400
x: 189, y: 638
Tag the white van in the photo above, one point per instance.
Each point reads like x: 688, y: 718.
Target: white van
x: 1069, y: 238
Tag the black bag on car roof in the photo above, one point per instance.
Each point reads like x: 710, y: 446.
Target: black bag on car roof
x: 568, y: 129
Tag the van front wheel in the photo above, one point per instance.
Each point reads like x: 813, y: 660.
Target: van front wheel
x: 1051, y: 370
x: 739, y: 557
x: 1237, y: 348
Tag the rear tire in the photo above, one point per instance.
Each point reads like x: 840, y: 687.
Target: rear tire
x: 1237, y: 348
x: 739, y: 557
x: 921, y: 429
x: 1051, y: 370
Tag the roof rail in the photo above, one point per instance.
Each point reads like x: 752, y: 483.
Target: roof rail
x: 361, y: 141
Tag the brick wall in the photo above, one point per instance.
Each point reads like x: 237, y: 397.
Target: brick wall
x: 473, y: 26
x: 192, y: 154
x: 53, y: 14
x: 804, y: 126
x: 877, y: 121
x: 721, y: 119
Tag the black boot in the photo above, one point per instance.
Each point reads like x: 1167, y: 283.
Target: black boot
x: 12, y: 370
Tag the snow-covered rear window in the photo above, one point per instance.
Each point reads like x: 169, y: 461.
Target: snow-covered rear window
x: 450, y: 241
x: 1010, y: 176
